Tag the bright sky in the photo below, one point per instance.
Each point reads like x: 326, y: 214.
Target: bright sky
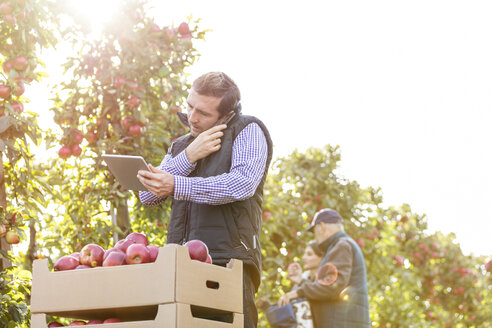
x: 404, y: 87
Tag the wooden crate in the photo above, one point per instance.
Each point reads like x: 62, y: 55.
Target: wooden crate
x: 173, y: 315
x: 133, y: 291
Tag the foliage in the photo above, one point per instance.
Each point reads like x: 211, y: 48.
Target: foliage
x: 23, y: 33
x: 121, y: 97
x: 14, y: 286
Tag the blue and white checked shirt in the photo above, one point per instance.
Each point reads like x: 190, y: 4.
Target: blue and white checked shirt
x: 249, y: 155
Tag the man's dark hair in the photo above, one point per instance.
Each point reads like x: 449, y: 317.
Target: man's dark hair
x: 219, y: 85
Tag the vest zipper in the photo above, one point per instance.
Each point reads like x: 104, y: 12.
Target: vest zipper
x: 187, y: 221
x: 244, y: 245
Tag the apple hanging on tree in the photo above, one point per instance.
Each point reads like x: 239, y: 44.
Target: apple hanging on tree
x: 11, y: 237
x: 20, y: 63
x: 76, y: 150
x: 7, y: 66
x: 4, y: 91
x: 135, y: 130
x: 65, y: 152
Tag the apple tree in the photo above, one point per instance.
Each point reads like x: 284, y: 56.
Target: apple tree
x: 24, y: 32
x: 415, y: 278
x: 121, y: 95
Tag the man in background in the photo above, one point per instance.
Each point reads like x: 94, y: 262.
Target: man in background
x: 338, y: 296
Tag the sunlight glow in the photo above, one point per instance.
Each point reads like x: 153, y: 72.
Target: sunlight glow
x: 94, y: 14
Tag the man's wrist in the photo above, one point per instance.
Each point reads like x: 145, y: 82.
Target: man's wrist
x: 190, y: 158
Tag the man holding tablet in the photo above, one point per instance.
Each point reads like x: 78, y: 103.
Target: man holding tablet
x: 215, y: 175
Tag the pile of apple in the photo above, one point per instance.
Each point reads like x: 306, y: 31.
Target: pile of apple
x: 134, y: 249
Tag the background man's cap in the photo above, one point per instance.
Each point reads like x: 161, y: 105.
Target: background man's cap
x: 326, y: 215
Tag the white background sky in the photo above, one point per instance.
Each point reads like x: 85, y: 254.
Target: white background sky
x: 404, y: 87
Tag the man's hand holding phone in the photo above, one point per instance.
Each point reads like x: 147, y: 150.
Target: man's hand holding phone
x: 206, y: 143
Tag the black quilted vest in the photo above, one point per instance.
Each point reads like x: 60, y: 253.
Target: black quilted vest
x: 230, y: 230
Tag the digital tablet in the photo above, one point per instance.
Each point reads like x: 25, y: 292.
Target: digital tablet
x: 125, y: 168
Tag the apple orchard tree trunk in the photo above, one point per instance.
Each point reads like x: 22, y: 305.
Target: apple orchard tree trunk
x: 123, y: 219
x: 32, y: 250
x: 4, y: 263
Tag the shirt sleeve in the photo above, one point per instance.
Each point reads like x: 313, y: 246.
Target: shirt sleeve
x: 179, y: 165
x: 249, y: 155
x: 341, y: 256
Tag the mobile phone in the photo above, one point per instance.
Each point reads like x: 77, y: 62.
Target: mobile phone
x: 229, y: 119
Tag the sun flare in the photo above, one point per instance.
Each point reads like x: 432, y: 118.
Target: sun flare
x: 93, y: 15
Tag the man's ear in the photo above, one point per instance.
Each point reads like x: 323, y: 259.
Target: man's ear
x: 226, y: 117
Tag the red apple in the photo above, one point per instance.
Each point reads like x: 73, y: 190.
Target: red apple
x: 82, y: 266
x: 18, y: 107
x: 91, y: 137
x: 11, y: 237
x: 94, y: 322
x: 92, y: 255
x: 138, y: 238
x: 109, y: 251
x: 76, y: 255
x: 65, y: 152
x: 119, y: 82
x: 126, y: 122
x: 183, y: 28
x: 135, y: 130
x: 111, y: 320
x: 20, y: 63
x: 4, y: 91
x: 197, y: 250
x: 133, y: 102
x: 399, y: 260
x: 209, y: 259
x: 154, y: 251
x: 123, y: 244
x: 55, y: 324
x: 19, y: 91
x: 78, y: 137
x: 5, y: 8
x: 137, y: 254
x: 66, y: 263
x: 488, y: 266
x: 77, y: 323
x: 7, y: 66
x: 361, y: 242
x: 76, y: 150
x: 115, y: 257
